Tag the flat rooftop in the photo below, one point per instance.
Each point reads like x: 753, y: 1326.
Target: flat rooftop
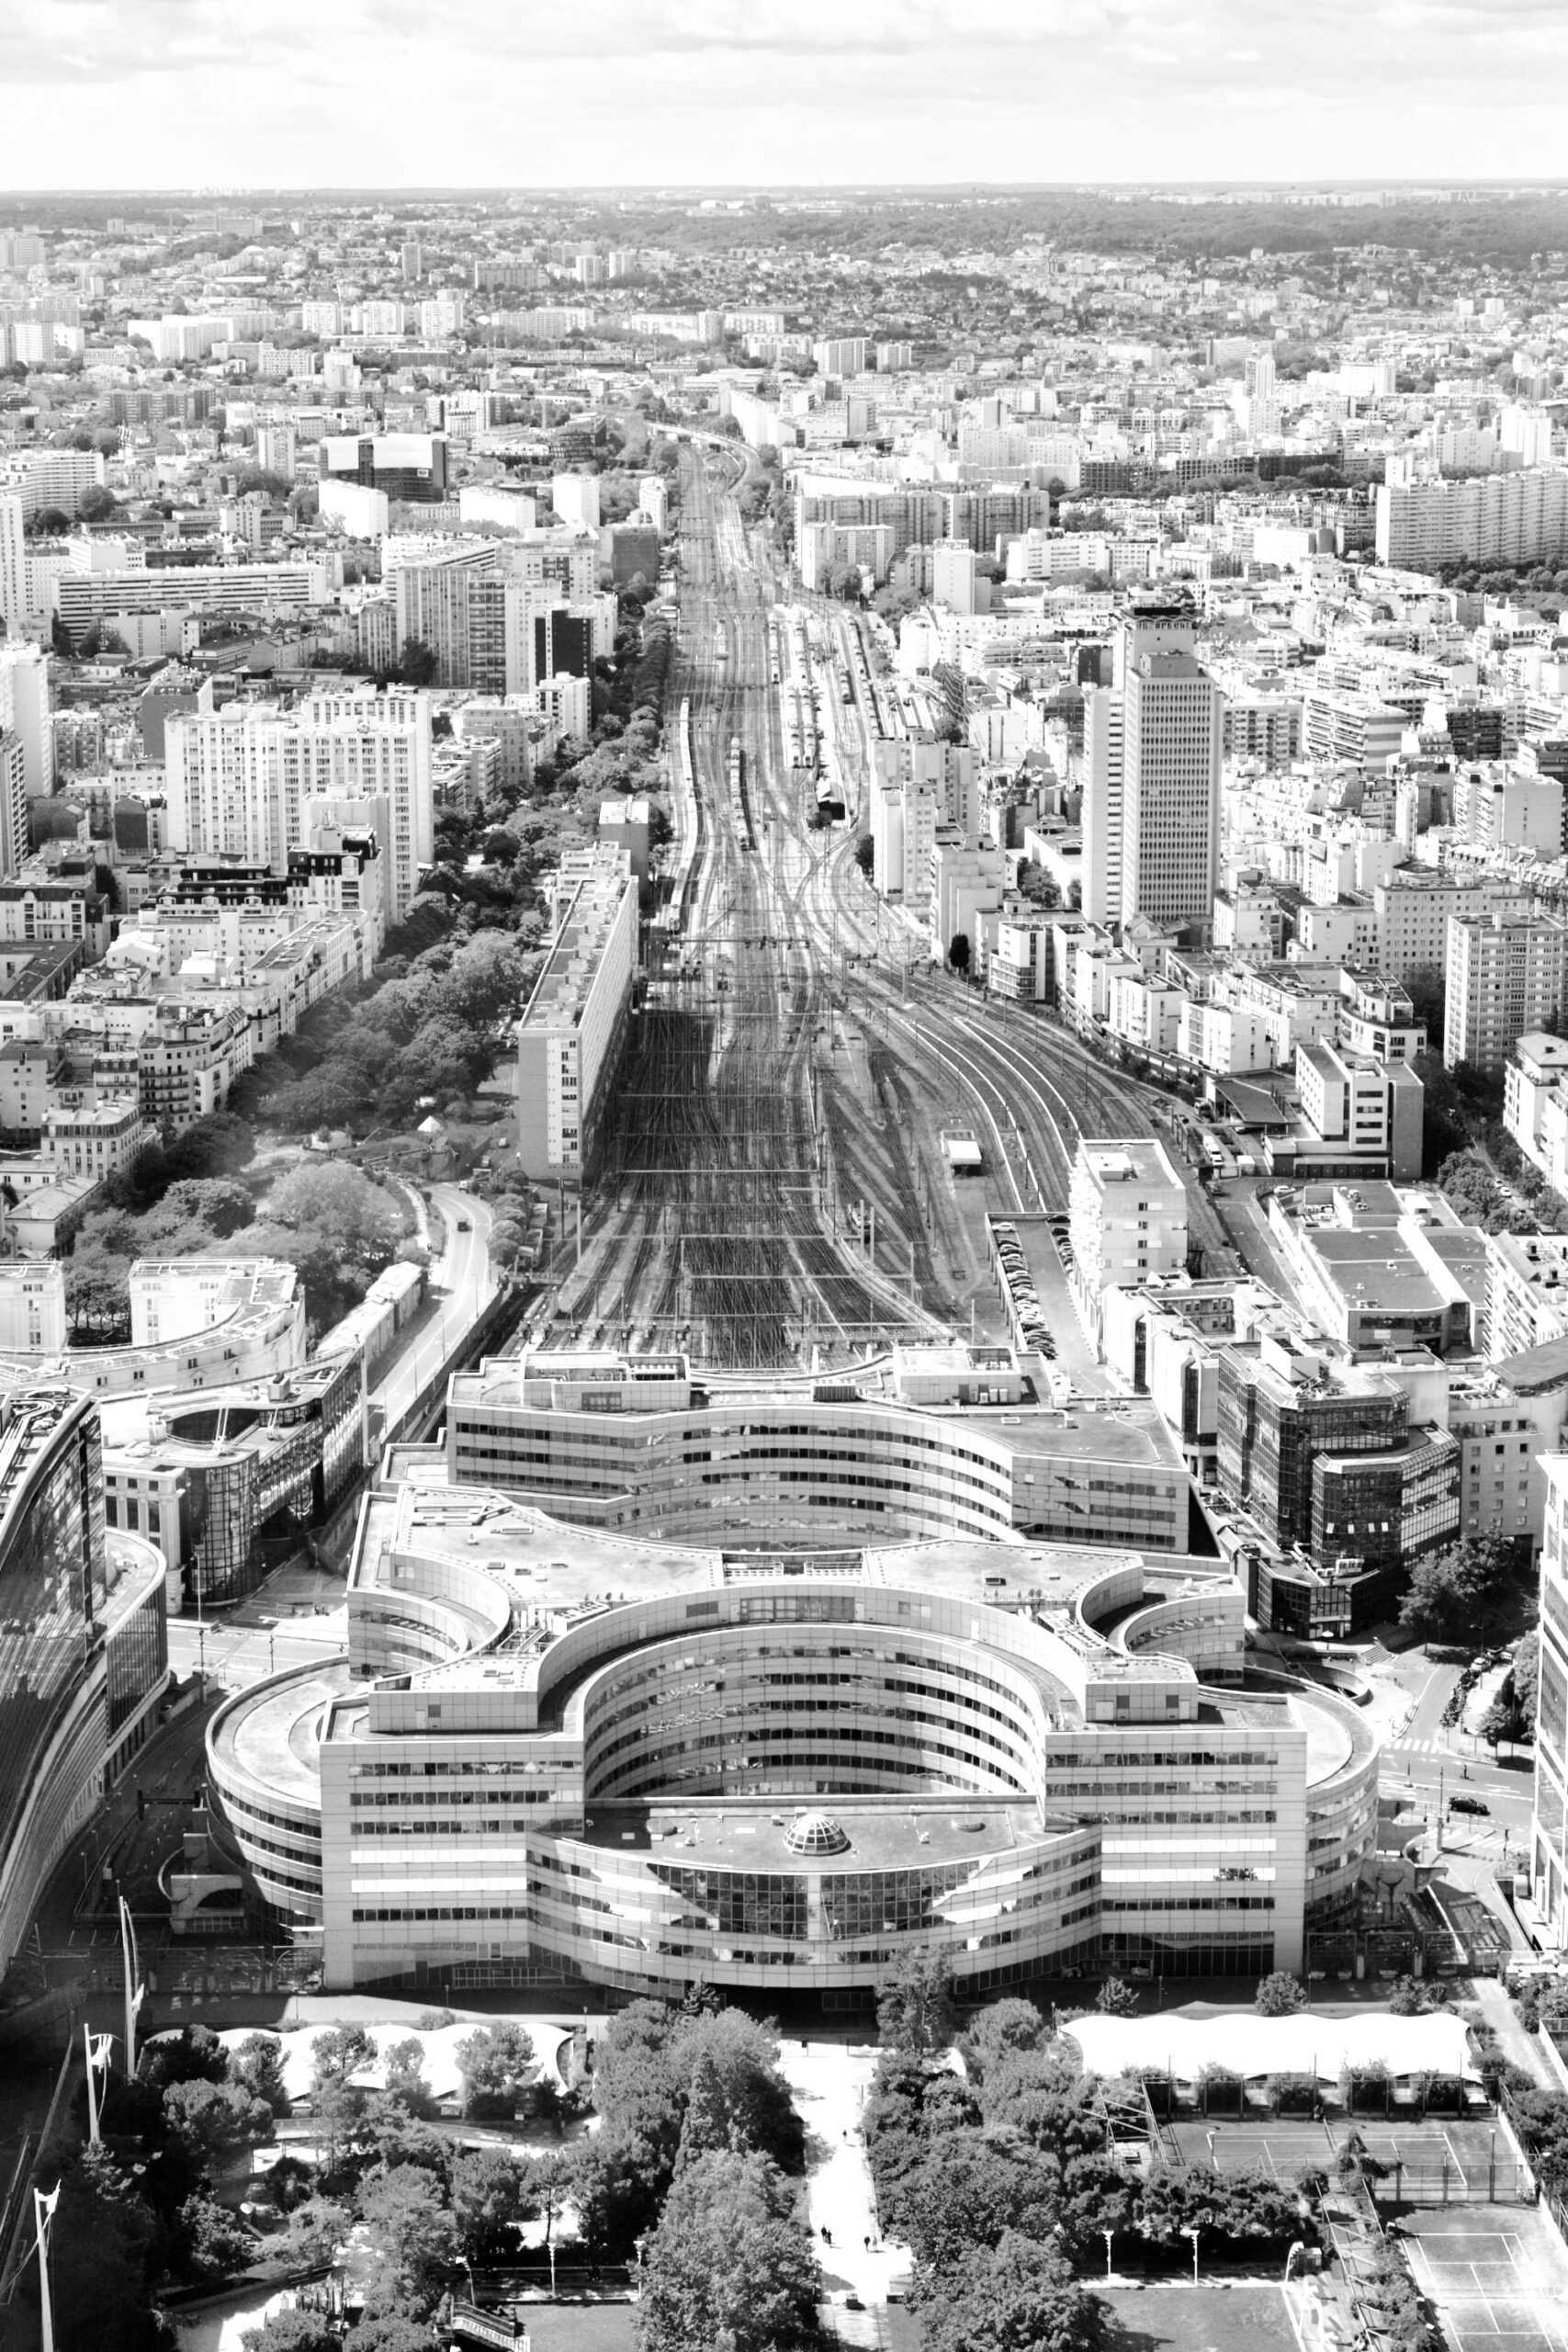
x: 895, y: 1834
x: 275, y: 1735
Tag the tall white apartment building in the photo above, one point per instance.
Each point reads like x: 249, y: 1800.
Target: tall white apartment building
x: 1413, y: 908
x: 1503, y: 977
x: 277, y: 449
x: 840, y: 356
x: 23, y: 711
x: 13, y: 564
x: 1525, y: 434
x: 1520, y: 517
x: 1152, y: 753
x: 239, y: 780
x: 434, y: 596
x: 918, y: 784
x: 56, y: 478
x: 653, y: 499
x: 575, y: 498
x: 571, y: 1034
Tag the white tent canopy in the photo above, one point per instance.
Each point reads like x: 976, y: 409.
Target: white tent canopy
x: 1257, y: 2047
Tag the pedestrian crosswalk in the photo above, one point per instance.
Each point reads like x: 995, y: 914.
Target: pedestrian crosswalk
x: 1421, y: 1747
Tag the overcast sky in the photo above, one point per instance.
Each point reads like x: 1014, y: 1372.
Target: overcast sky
x: 361, y: 93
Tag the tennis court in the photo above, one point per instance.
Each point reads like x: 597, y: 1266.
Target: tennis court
x: 1433, y: 2161
x: 1502, y: 2287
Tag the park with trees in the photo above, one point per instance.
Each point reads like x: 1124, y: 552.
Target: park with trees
x: 1006, y: 2180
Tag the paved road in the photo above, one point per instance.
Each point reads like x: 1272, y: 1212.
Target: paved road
x: 461, y: 1280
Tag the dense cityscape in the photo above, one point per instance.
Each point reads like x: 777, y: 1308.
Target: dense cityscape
x: 783, y: 1268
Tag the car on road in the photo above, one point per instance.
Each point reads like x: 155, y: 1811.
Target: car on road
x: 463, y: 1226
x: 1468, y: 1804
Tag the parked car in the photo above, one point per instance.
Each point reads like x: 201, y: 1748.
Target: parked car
x: 1468, y: 1804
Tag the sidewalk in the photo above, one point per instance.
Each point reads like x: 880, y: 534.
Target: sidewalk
x: 830, y: 2083
x: 1522, y: 2048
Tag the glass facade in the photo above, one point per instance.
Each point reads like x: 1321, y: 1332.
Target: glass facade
x: 138, y: 1659
x: 51, y: 1576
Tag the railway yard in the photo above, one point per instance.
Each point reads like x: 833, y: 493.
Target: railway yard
x: 778, y: 1191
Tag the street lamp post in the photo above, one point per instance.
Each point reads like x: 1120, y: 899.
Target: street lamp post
x: 1193, y: 2234
x: 1108, y: 2235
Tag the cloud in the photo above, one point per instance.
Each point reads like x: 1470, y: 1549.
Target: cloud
x: 475, y: 91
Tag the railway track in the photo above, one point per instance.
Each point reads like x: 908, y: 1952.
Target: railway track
x: 708, y: 1228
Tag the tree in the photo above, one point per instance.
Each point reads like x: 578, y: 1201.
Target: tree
x: 616, y: 2196
x: 729, y: 2264
x: 292, y: 2331
x: 970, y: 2187
x: 99, y: 2294
x: 865, y: 855
x: 1005, y: 2027
x: 316, y: 2230
x: 1017, y: 2296
x: 1177, y: 2198
x: 417, y: 664
x: 1280, y: 1994
x: 216, y: 2243
x: 256, y: 2065
x: 705, y: 2130
x: 96, y: 504
x: 1460, y: 1594
x: 401, y: 2139
x: 1525, y: 1675
x: 1426, y: 986
x: 490, y: 2201
x: 340, y: 1209
x: 406, y: 2079
x: 341, y: 2051
x: 914, y: 2004
x: 388, y: 2329
x: 194, y: 2054
x: 1115, y: 1999
x: 216, y: 2119
x: 958, y: 954
x: 218, y: 1145
x: 411, y: 2227
x: 494, y: 2063
x: 1511, y: 1715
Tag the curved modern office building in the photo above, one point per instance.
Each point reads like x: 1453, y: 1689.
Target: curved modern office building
x: 932, y: 1444
x: 84, y: 1655
x: 553, y: 1753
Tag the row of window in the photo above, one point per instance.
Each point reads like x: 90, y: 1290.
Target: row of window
x: 404, y: 1800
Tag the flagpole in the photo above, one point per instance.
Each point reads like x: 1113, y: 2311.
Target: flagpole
x: 132, y: 1990
x: 92, y: 2093
x: 43, y: 2213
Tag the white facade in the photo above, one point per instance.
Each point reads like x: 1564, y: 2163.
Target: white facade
x: 1504, y: 518
x: 364, y: 513
x: 13, y: 564
x: 575, y: 498
x: 1128, y: 1210
x: 1152, y: 751
x: 238, y: 780
x: 24, y: 708
x: 1502, y: 979
x: 32, y: 1306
